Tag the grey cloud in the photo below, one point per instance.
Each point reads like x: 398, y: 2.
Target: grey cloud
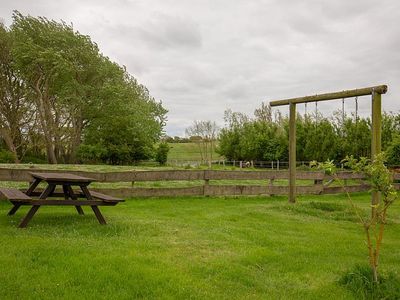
x: 165, y: 32
x: 202, y: 57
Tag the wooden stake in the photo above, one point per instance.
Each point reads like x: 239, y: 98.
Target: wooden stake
x: 292, y: 153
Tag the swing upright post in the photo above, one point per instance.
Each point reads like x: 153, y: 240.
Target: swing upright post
x: 375, y: 92
x: 376, y: 137
x: 292, y: 152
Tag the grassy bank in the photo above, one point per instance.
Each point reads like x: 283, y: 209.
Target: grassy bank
x: 200, y: 248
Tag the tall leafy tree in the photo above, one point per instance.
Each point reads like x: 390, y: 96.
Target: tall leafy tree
x: 80, y: 95
x: 63, y: 69
x: 15, y: 106
x: 252, y: 139
x: 128, y: 123
x: 390, y: 128
x: 316, y: 139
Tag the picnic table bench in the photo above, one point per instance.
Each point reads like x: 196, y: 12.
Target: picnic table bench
x: 70, y: 197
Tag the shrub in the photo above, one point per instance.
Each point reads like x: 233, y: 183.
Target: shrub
x: 162, y: 153
x: 117, y: 154
x: 34, y: 159
x: 393, y: 152
x: 90, y: 153
x: 6, y: 156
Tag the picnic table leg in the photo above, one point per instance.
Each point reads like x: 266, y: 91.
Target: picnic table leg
x: 29, y: 216
x: 48, y: 191
x: 14, y: 209
x: 69, y: 193
x: 95, y: 209
x: 86, y: 192
x: 33, y: 186
x: 98, y: 214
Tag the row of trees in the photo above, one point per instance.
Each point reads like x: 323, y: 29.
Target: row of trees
x: 265, y: 136
x: 62, y: 99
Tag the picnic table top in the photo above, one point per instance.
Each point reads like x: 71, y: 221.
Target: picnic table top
x: 61, y: 177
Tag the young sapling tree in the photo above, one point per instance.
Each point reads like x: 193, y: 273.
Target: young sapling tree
x: 380, y: 179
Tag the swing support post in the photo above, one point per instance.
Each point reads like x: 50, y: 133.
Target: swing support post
x: 376, y: 138
x: 292, y: 153
x: 375, y: 91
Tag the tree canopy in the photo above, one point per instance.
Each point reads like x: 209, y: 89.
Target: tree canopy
x: 265, y: 136
x: 68, y: 101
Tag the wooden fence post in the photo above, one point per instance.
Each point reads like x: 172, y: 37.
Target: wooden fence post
x: 206, y: 183
x: 271, y: 186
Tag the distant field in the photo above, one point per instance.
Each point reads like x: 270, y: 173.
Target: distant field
x: 186, y: 151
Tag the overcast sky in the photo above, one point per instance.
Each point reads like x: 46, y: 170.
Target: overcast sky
x: 203, y: 57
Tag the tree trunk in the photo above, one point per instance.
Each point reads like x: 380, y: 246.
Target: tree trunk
x: 45, y: 119
x: 51, y: 157
x: 5, y: 134
x: 76, y: 138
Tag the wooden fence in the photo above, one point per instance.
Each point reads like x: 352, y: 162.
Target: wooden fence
x: 210, y: 186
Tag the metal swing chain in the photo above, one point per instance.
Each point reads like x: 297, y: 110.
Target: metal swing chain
x: 356, y: 109
x: 343, y: 115
x: 316, y: 117
x: 356, y: 117
x: 305, y: 109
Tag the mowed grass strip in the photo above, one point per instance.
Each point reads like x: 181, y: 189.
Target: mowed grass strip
x: 190, y: 248
x: 89, y: 168
x: 163, y: 184
x: 177, y: 183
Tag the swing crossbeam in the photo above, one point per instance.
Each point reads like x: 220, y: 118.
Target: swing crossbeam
x: 374, y: 91
x: 379, y: 89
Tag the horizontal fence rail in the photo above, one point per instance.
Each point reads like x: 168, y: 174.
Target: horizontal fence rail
x: 321, y: 183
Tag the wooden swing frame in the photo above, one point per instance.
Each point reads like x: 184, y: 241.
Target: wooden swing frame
x: 376, y: 117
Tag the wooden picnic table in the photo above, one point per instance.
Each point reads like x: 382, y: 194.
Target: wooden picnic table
x: 70, y: 197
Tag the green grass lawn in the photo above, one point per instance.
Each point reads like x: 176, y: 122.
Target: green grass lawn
x: 197, y: 248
